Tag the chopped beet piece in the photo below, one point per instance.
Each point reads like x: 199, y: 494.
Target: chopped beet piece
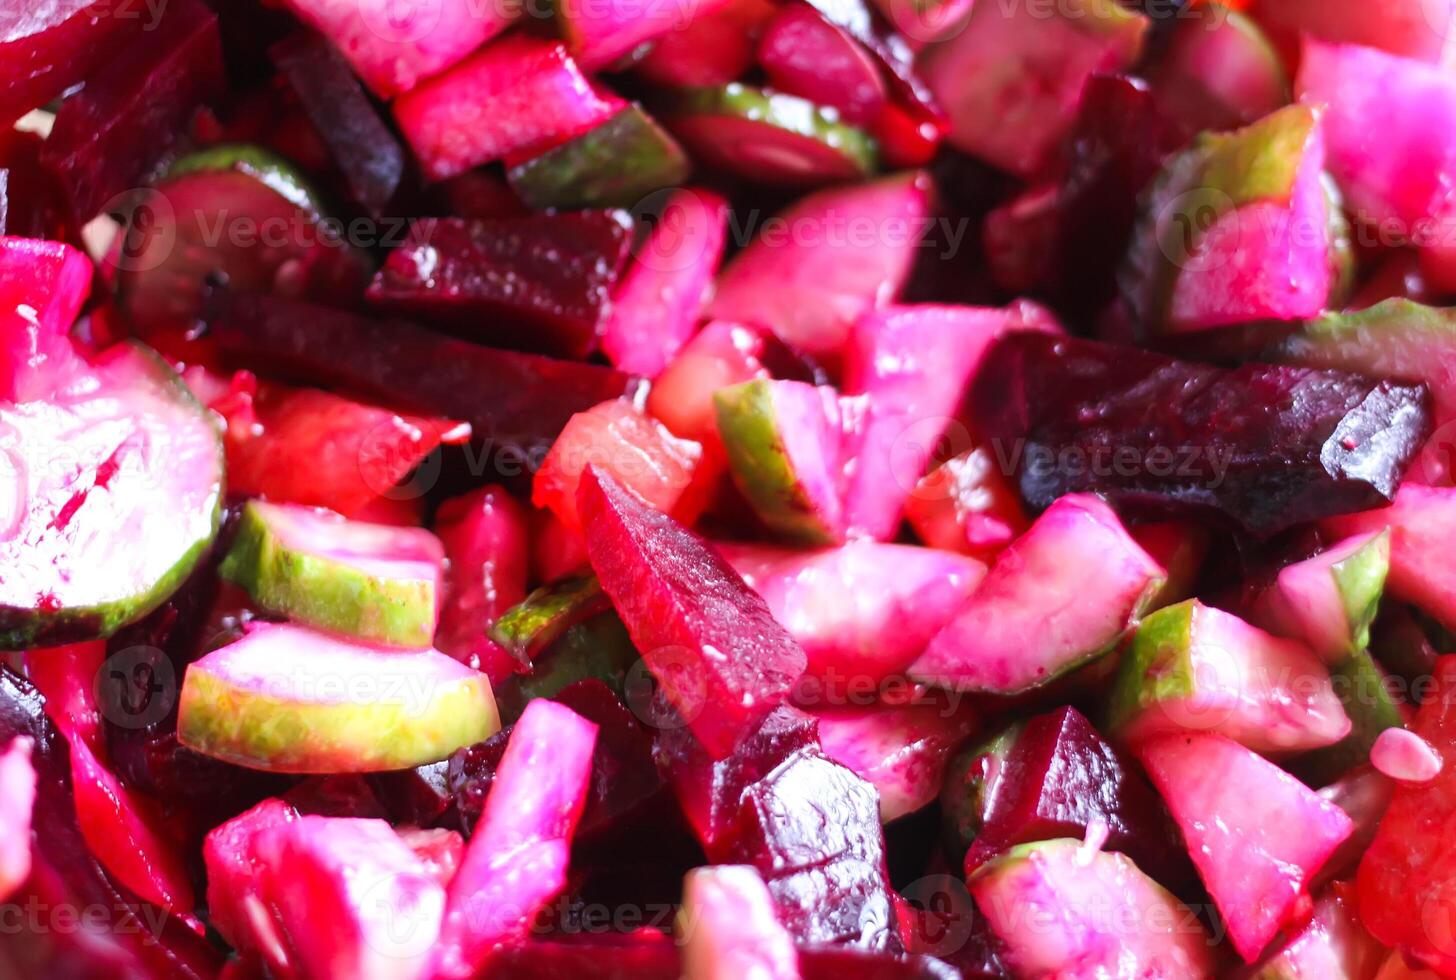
x: 806, y: 55
x: 812, y: 828
x: 67, y: 875
x: 234, y: 881
x: 486, y: 538
x: 730, y: 929
x: 366, y: 152
x: 1260, y: 446
x: 623, y: 773
x: 418, y: 796
x: 723, y: 661
x: 1058, y: 778
x: 556, y: 960
x: 112, y: 134
x: 540, y: 282
x: 42, y: 287
x: 714, y: 48
x: 528, y: 401
x: 32, y: 202
x: 46, y: 46
x: 709, y: 790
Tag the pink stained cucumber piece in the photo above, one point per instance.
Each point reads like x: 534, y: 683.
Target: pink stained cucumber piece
x: 902, y: 750
x: 376, y: 583
x: 516, y: 860
x: 729, y: 929
x: 1219, y: 71
x: 1405, y: 175
x: 1037, y: 614
x: 1329, y: 601
x: 811, y: 286
x: 722, y: 354
x: 600, y: 33
x: 1194, y: 668
x: 514, y: 93
x: 128, y: 834
x: 1011, y: 79
x: 288, y: 699
x: 1256, y: 834
x: 1332, y: 945
x: 722, y: 660
x: 660, y: 299
x: 17, y: 797
x: 234, y: 882
x: 912, y: 364
x: 861, y: 610
x: 1418, y: 29
x: 784, y: 442
x: 486, y: 535
x: 395, y: 48
x: 1063, y: 908
x: 1421, y: 521
x: 382, y: 905
x: 42, y: 287
x: 967, y: 504
x: 806, y: 55
x: 145, y: 465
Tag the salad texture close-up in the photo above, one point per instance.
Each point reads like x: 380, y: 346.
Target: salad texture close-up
x: 727, y: 489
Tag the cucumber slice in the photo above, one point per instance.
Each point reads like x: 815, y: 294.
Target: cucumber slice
x: 1220, y: 71
x: 1195, y: 668
x: 783, y: 440
x: 530, y: 627
x: 598, y: 649
x: 616, y: 164
x: 1037, y: 614
x: 237, y: 215
x: 729, y: 927
x: 288, y: 699
x: 769, y: 137
x: 112, y: 493
x: 1364, y: 691
x: 1329, y: 601
x: 372, y: 582
x: 1065, y: 909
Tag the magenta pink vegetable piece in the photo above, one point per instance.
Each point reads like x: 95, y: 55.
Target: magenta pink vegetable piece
x: 806, y: 55
x: 17, y: 797
x: 512, y: 94
x: 42, y: 287
x: 234, y: 876
x: 516, y: 860
x: 394, y: 47
x: 602, y: 31
x: 69, y: 678
x: 722, y: 660
x: 1405, y: 756
x: 660, y: 298
x: 46, y: 46
x: 486, y: 539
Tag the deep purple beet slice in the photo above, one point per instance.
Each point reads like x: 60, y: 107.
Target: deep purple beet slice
x: 46, y: 46
x: 64, y: 874
x: 722, y: 659
x: 1057, y: 778
x: 812, y: 829
x: 111, y: 135
x: 708, y: 790
x: 1261, y: 447
x: 623, y: 774
x: 541, y: 282
x: 522, y: 408
x: 371, y: 160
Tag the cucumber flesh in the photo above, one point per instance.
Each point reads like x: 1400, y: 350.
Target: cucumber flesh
x: 288, y: 699
x: 1219, y: 71
x: 769, y: 137
x: 729, y: 927
x: 1256, y: 834
x: 784, y: 444
x: 372, y: 582
x: 1329, y: 601
x: 527, y: 629
x: 100, y: 542
x: 1110, y: 918
x: 1037, y: 614
x: 233, y: 215
x: 1195, y: 668
x: 616, y: 164
x: 17, y: 797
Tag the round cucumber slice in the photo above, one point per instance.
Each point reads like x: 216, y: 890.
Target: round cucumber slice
x: 235, y: 215
x: 770, y: 137
x: 615, y: 164
x: 289, y: 699
x: 110, y: 492
x: 372, y: 582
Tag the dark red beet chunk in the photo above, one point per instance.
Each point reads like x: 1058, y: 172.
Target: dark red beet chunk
x: 516, y: 403
x: 1061, y: 776
x: 623, y: 776
x: 65, y: 876
x: 46, y: 46
x: 812, y: 829
x: 634, y: 959
x: 722, y: 660
x: 857, y: 964
x: 469, y: 774
x: 1262, y: 447
x: 367, y: 154
x: 418, y: 796
x: 539, y: 283
x: 708, y: 790
x: 112, y: 134
x: 32, y: 204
